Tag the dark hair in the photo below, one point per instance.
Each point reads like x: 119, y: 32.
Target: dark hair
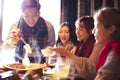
x: 72, y: 29
x: 109, y: 17
x: 88, y: 21
x: 30, y: 3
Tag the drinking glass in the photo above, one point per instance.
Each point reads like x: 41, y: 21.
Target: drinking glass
x: 62, y: 68
x: 52, y: 60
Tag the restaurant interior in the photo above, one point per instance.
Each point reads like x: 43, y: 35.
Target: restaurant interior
x: 70, y: 10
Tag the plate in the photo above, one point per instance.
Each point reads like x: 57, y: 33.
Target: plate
x: 20, y: 66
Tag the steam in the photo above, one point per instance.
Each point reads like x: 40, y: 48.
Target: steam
x: 36, y: 51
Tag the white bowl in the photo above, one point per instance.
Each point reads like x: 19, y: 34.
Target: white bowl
x: 46, y: 52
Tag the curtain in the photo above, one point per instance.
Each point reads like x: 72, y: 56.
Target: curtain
x: 68, y: 11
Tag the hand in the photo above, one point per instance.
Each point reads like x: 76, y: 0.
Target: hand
x: 14, y: 36
x: 61, y: 51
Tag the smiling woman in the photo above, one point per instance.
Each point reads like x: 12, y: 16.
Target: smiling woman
x: 66, y: 37
x: 14, y: 15
x: 14, y: 10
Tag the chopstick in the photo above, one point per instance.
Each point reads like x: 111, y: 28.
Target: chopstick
x: 23, y: 40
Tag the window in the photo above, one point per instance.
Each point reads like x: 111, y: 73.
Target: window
x: 11, y: 13
x: 1, y: 20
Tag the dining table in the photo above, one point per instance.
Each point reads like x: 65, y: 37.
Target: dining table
x: 16, y: 73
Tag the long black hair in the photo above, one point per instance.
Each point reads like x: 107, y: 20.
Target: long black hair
x: 72, y: 29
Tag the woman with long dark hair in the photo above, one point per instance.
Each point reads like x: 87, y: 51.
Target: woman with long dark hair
x: 67, y: 37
